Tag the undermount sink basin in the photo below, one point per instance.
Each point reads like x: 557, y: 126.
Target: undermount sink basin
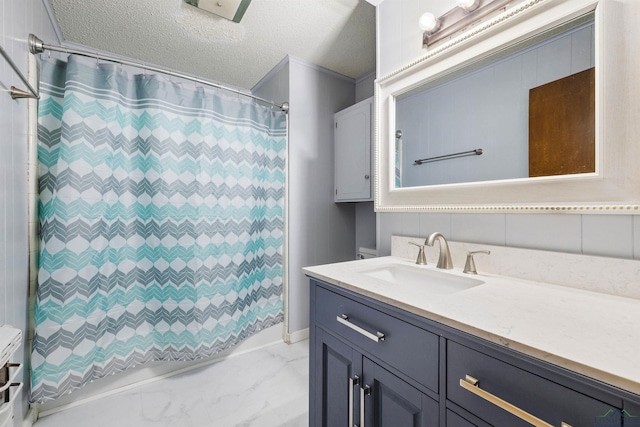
x: 434, y: 281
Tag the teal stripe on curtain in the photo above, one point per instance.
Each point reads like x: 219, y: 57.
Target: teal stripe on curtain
x: 161, y: 215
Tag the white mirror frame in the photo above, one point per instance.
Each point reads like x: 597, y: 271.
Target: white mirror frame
x: 615, y: 185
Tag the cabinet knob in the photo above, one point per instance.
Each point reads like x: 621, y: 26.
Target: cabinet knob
x: 366, y: 177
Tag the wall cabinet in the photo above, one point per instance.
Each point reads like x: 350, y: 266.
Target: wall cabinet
x: 353, y: 136
x: 372, y: 364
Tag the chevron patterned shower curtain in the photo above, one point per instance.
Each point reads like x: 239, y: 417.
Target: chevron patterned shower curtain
x: 161, y: 216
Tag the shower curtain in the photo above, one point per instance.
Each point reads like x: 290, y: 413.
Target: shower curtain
x: 161, y: 222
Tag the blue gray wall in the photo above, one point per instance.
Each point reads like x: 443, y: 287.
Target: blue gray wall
x: 364, y: 86
x: 399, y: 43
x: 365, y: 213
x: 320, y: 231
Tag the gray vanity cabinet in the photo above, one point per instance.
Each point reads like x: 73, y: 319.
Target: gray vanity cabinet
x: 337, y: 366
x: 411, y: 371
x: 350, y: 380
x: 391, y: 402
x: 631, y: 414
x: 360, y: 374
x: 455, y: 420
x: 533, y: 394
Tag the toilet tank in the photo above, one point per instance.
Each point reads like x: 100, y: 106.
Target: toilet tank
x: 365, y: 253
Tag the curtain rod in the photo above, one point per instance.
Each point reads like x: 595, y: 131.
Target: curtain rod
x: 14, y: 91
x: 38, y: 46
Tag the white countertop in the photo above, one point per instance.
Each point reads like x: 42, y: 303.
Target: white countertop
x: 591, y: 333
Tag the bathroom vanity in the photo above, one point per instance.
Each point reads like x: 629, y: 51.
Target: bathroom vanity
x: 533, y: 339
x: 386, y: 350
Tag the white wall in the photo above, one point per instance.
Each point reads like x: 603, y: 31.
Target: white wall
x: 319, y: 230
x: 364, y: 86
x: 398, y: 37
x: 398, y: 43
x: 17, y: 20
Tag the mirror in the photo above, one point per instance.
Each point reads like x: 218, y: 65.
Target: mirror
x: 485, y: 98
x: 524, y: 112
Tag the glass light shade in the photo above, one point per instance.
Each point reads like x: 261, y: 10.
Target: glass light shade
x: 468, y: 5
x: 428, y: 22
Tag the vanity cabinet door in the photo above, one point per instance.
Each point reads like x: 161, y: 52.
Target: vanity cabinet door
x: 455, y: 420
x: 631, y: 414
x: 391, y: 402
x: 335, y: 400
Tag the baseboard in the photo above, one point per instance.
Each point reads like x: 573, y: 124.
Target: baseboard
x: 31, y: 418
x: 296, y: 336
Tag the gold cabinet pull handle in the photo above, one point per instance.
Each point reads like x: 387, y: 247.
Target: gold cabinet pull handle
x: 471, y: 384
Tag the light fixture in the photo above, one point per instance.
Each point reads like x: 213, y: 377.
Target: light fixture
x: 232, y: 10
x: 468, y: 5
x: 460, y: 17
x: 428, y: 22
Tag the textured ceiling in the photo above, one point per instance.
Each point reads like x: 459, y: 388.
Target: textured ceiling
x: 336, y: 34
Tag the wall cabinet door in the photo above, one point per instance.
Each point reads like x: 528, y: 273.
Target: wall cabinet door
x: 353, y: 153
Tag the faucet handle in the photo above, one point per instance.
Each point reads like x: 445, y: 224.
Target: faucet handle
x: 422, y: 259
x: 470, y: 265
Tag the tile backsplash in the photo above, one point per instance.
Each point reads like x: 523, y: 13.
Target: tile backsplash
x: 593, y: 234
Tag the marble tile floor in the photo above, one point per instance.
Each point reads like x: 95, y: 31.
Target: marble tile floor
x: 264, y: 388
